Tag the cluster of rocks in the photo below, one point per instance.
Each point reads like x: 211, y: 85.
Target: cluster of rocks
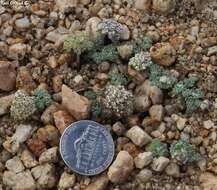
x: 31, y: 57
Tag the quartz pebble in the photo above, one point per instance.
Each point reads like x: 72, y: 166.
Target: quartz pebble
x: 159, y: 164
x: 138, y: 136
x: 121, y: 168
x: 66, y: 180
x: 143, y: 159
x: 78, y: 106
x: 144, y: 175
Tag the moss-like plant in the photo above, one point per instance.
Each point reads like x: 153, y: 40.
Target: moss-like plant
x: 161, y: 77
x: 108, y: 53
x: 78, y: 42
x: 117, y: 101
x: 158, y: 148
x: 42, y: 99
x: 143, y: 44
x: 141, y: 61
x: 95, y: 105
x: 118, y: 79
x: 190, y: 94
x: 22, y: 107
x: 183, y: 152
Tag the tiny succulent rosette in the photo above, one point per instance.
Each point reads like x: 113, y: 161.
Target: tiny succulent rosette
x: 184, y: 153
x: 158, y: 148
x: 22, y: 107
x: 42, y: 99
x: 141, y: 61
x: 78, y: 42
x: 112, y: 29
x: 117, y: 101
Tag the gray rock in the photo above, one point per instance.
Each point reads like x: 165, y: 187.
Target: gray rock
x: 138, y: 136
x: 91, y: 26
x: 143, y: 159
x: 159, y: 164
x: 66, y: 180
x: 157, y: 112
x: 20, y: 181
x: 142, y: 103
x: 22, y: 23
x: 118, y: 128
x: 144, y: 175
x: 15, y: 165
x: 50, y: 155
x: 121, y: 168
x: 173, y: 170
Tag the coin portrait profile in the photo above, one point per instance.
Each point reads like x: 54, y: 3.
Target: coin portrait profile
x: 87, y: 147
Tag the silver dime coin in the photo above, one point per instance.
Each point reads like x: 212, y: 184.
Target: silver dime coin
x: 87, y: 147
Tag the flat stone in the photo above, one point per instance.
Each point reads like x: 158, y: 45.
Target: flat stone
x: 62, y: 120
x: 121, y: 168
x: 78, y: 106
x: 7, y: 76
x: 138, y: 136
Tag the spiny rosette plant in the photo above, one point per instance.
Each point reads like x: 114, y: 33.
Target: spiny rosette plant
x: 158, y: 148
x: 117, y: 101
x: 140, y: 61
x: 184, y: 153
x: 95, y: 105
x: 42, y: 99
x: 112, y: 29
x: 191, y: 95
x: 78, y: 42
x: 22, y: 107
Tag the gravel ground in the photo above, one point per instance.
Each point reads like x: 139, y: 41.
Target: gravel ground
x: 146, y: 69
